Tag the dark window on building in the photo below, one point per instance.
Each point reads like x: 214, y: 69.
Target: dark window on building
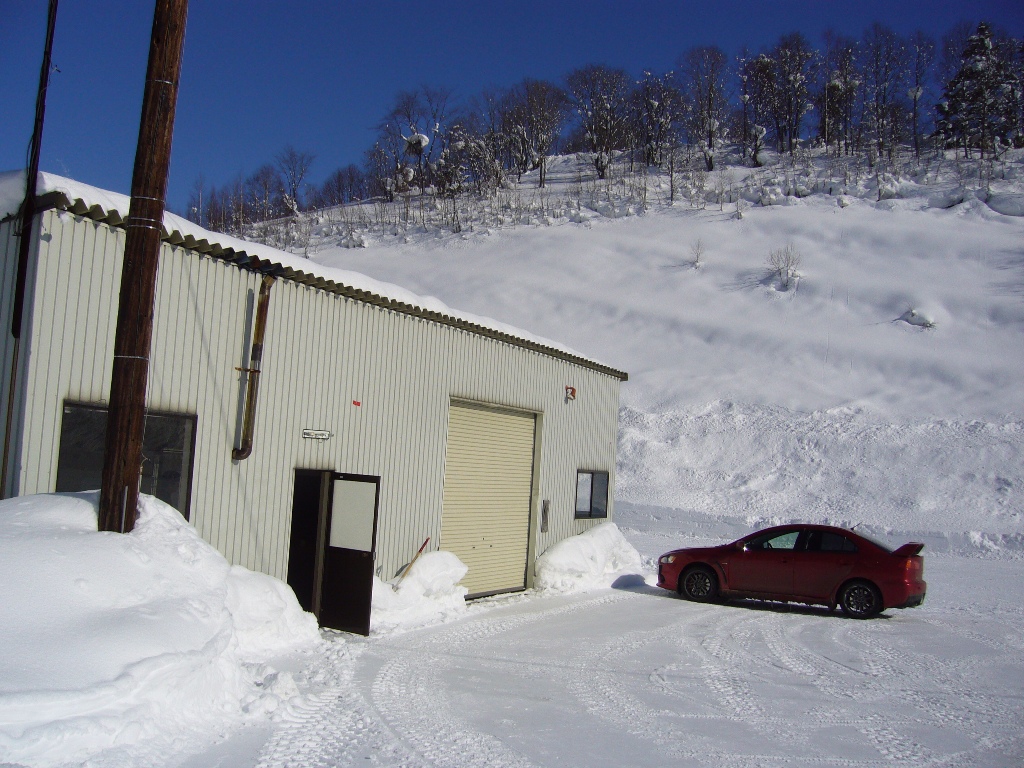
x: 591, y: 494
x: 167, y: 451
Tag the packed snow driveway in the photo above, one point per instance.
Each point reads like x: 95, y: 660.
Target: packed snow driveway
x: 634, y: 676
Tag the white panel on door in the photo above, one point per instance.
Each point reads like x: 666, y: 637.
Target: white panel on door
x: 352, y: 515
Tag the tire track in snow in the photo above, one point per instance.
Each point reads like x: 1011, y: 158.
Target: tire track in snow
x: 333, y: 726
x: 592, y: 681
x: 943, y: 691
x: 409, y: 692
x: 598, y: 679
x: 413, y: 702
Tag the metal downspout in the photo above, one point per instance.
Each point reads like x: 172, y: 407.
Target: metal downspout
x: 253, y: 371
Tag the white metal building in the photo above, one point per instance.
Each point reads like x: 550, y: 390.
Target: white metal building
x: 379, y: 422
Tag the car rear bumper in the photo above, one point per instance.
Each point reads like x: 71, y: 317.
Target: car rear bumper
x: 909, y: 595
x: 913, y: 601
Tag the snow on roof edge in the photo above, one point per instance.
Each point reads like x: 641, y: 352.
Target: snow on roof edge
x: 106, y: 205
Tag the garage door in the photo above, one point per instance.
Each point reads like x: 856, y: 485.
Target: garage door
x: 488, y: 481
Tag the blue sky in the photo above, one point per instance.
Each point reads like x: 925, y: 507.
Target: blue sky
x: 319, y: 75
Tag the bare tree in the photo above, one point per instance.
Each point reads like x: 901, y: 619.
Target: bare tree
x: 840, y: 89
x: 793, y: 56
x: 697, y: 249
x: 744, y: 122
x: 761, y: 90
x: 784, y: 263
x: 885, y: 59
x: 532, y: 119
x: 600, y: 95
x: 407, y: 134
x: 343, y: 185
x: 263, y: 190
x: 657, y: 114
x: 486, y: 114
x: 198, y: 199
x: 921, y: 50
x: 547, y: 108
x: 953, y: 44
x: 293, y: 167
x: 704, y: 70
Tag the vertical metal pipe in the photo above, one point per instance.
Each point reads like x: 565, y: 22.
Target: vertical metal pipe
x: 253, y: 371
x: 122, y: 464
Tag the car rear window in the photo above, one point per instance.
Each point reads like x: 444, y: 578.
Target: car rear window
x: 832, y: 542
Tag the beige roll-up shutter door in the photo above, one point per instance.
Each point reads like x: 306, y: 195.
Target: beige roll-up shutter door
x: 488, y: 481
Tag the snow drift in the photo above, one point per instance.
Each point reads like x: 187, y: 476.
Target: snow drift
x: 131, y: 642
x: 592, y: 560
x: 428, y: 594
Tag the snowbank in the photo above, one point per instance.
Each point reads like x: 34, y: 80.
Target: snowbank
x: 428, y: 594
x: 1008, y: 204
x: 135, y: 643
x: 589, y: 561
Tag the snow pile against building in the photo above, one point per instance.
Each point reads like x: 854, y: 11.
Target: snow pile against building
x: 592, y: 560
x: 426, y: 593
x: 134, y: 642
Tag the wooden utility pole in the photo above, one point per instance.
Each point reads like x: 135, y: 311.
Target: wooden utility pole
x: 126, y: 419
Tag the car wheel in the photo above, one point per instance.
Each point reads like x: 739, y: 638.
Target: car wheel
x: 860, y: 600
x: 699, y: 584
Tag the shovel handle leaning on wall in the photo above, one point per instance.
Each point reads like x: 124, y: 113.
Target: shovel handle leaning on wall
x: 414, y: 559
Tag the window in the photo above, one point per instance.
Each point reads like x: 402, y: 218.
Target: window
x: 775, y: 541
x: 167, y: 450
x: 827, y: 541
x: 591, y: 494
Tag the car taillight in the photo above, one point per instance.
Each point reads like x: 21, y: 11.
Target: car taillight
x: 914, y: 566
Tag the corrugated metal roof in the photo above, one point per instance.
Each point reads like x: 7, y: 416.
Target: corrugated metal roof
x: 111, y: 209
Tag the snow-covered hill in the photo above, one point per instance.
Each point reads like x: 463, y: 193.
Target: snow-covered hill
x: 883, y: 386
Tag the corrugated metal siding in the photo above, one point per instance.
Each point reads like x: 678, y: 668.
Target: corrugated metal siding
x: 323, y: 352
x: 8, y: 277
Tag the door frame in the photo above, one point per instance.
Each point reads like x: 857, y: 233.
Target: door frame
x: 325, y: 503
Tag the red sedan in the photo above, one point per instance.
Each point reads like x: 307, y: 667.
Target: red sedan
x: 815, y: 564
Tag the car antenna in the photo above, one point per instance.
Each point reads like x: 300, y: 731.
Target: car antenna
x: 854, y: 528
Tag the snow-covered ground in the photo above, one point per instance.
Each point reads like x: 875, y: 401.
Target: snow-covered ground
x: 882, y: 388
x: 631, y: 676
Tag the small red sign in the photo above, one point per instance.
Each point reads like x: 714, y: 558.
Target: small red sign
x: 356, y: 402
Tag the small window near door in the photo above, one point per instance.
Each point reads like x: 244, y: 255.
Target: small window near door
x: 167, y: 449
x: 591, y: 494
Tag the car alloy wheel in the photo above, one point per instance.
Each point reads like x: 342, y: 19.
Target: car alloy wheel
x: 699, y: 584
x: 860, y: 600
